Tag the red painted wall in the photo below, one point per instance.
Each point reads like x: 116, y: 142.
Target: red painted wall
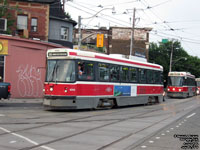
x: 25, y: 66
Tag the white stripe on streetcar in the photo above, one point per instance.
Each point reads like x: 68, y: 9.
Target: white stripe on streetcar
x: 191, y: 115
x: 27, y: 139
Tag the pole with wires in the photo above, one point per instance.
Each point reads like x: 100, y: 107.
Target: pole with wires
x: 79, y: 32
x: 132, y: 33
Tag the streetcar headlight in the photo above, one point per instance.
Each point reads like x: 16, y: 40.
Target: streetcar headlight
x: 43, y: 90
x: 197, y: 91
x: 173, y: 89
x: 180, y: 90
x: 168, y: 89
x: 51, y: 89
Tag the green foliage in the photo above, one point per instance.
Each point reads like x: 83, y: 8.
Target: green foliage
x: 160, y: 54
x: 68, y: 16
x: 4, y: 13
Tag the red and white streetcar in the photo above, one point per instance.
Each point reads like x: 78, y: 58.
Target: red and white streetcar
x: 198, y: 85
x: 181, y: 84
x: 80, y: 80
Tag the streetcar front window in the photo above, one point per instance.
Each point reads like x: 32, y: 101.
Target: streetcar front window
x: 60, y: 71
x: 198, y: 83
x: 175, y: 81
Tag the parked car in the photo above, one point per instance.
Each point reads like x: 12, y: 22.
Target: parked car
x: 5, y: 90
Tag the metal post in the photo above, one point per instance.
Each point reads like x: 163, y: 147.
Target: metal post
x: 132, y: 33
x: 79, y: 32
x: 170, y: 65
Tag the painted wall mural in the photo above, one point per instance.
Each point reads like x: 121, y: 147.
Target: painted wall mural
x: 29, y: 82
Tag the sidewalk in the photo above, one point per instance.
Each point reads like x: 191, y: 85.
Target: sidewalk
x: 20, y: 100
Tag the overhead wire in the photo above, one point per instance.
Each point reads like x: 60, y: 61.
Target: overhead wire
x: 101, y: 13
x: 183, y: 39
x: 98, y: 16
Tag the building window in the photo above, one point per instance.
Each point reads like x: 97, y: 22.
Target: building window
x: 22, y: 22
x: 64, y: 33
x: 34, y: 24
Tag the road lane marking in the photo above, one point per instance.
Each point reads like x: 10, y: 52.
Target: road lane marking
x: 25, y: 138
x: 144, y: 146
x: 163, y: 134
x: 151, y: 141
x: 2, y: 115
x: 157, y: 137
x: 177, y: 126
x: 167, y: 131
x: 11, y: 142
x: 191, y: 115
x: 172, y: 128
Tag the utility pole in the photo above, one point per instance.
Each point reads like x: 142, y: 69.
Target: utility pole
x: 132, y: 33
x: 170, y: 65
x: 79, y: 32
x: 64, y: 5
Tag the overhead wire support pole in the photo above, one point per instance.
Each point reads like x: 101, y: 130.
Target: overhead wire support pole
x: 132, y: 33
x: 171, y: 56
x: 79, y: 32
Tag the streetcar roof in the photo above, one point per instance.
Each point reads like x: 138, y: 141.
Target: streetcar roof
x: 91, y: 56
x: 176, y: 73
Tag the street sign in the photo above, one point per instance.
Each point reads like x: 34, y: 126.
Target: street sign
x: 100, y: 39
x: 164, y: 40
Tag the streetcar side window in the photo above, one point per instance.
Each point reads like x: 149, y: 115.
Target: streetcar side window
x: 85, y: 70
x: 150, y: 76
x: 103, y: 72
x: 142, y: 74
x: 133, y: 74
x: 158, y: 77
x: 124, y: 74
x: 114, y: 73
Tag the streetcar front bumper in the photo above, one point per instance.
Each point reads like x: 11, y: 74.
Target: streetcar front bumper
x: 177, y: 94
x: 54, y: 102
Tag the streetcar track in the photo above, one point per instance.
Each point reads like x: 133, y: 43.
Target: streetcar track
x: 91, y: 129
x: 76, y: 119
x: 66, y: 121
x: 145, y: 111
x: 127, y: 136
x: 85, y: 131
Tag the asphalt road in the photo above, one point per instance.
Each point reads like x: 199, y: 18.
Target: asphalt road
x: 24, y: 125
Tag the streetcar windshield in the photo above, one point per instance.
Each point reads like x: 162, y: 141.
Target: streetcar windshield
x: 175, y: 81
x: 198, y: 83
x: 60, y: 71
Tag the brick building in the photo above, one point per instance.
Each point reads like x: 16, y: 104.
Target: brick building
x: 117, y: 40
x: 42, y: 20
x: 89, y: 37
x: 31, y: 18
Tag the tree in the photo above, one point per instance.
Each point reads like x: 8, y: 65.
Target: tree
x: 160, y: 54
x: 4, y: 13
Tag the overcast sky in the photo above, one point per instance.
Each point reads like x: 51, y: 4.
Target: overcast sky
x: 172, y: 19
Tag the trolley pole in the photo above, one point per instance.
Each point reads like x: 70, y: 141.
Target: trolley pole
x: 79, y: 32
x: 132, y: 33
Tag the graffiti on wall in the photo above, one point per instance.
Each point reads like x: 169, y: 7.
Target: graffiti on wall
x: 29, y: 82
